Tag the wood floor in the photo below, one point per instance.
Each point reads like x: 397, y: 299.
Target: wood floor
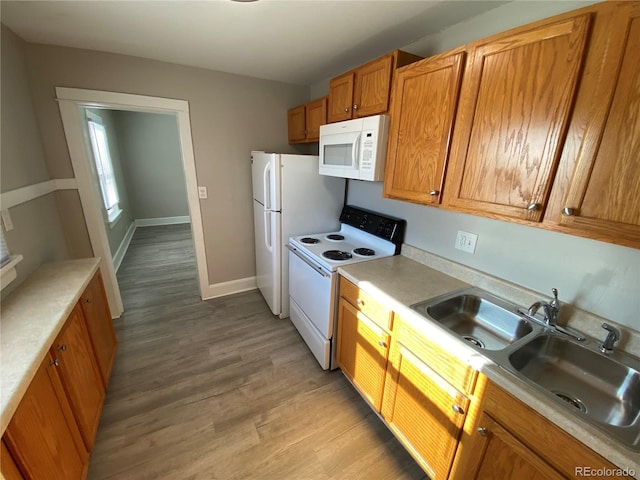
x: 224, y: 390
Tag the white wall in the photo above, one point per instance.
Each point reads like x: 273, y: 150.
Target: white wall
x: 594, y: 276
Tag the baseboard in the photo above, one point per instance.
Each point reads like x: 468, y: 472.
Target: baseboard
x: 152, y: 222
x: 124, y: 246
x: 228, y: 288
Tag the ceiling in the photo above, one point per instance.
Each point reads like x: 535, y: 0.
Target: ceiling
x: 293, y: 41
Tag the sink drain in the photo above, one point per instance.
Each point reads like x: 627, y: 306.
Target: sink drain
x: 475, y: 341
x: 571, y: 400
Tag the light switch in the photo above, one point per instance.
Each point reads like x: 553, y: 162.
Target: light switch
x: 7, y: 223
x: 202, y: 192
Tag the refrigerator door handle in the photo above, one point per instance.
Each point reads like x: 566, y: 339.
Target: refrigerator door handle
x: 266, y: 179
x: 267, y: 231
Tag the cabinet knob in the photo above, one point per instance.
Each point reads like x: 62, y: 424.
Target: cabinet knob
x: 382, y: 343
x: 568, y: 211
x: 458, y: 409
x: 355, y: 107
x: 346, y: 109
x: 360, y: 302
x: 87, y: 300
x: 306, y: 131
x: 482, y: 431
x: 62, y: 347
x: 533, y: 206
x: 55, y: 363
x: 434, y: 192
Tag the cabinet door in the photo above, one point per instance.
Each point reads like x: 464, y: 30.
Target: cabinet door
x: 42, y: 436
x: 372, y: 87
x: 100, y: 326
x: 362, y: 352
x: 424, y: 411
x: 296, y: 124
x: 80, y: 375
x: 316, y: 115
x: 423, y: 111
x: 515, y: 102
x: 603, y: 197
x: 501, y: 455
x: 340, y: 98
x: 8, y: 466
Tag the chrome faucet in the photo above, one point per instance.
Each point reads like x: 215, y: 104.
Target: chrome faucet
x: 551, y: 309
x: 612, y: 337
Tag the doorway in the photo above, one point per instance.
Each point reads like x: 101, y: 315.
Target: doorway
x: 72, y: 104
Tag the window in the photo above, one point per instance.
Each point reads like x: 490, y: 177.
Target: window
x: 104, y: 167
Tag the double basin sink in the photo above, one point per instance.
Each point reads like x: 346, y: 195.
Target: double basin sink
x: 602, y: 389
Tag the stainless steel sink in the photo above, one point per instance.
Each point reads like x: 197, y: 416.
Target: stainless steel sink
x: 603, y: 389
x: 483, y: 320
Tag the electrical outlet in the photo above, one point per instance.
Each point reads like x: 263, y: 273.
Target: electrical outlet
x: 466, y: 241
x: 202, y: 192
x: 7, y: 223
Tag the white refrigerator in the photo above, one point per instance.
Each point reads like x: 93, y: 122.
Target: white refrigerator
x: 290, y: 198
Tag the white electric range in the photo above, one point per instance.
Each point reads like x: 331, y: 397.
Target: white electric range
x: 313, y: 278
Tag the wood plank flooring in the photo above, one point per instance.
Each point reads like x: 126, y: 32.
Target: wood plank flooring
x: 224, y: 390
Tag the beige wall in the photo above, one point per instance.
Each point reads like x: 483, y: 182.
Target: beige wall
x: 230, y: 116
x: 152, y: 163
x: 37, y: 233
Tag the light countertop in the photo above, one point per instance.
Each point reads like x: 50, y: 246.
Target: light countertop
x: 398, y: 282
x: 31, y: 318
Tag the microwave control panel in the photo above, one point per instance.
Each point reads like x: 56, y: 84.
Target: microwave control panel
x: 368, y: 150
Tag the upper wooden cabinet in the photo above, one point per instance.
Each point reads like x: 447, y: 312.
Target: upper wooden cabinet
x: 515, y: 103
x: 598, y: 190
x: 365, y: 90
x: 100, y: 326
x: 304, y: 121
x: 423, y: 110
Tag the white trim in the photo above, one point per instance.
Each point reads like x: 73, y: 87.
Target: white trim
x: 31, y: 192
x: 70, y: 102
x: 8, y: 272
x: 152, y: 222
x: 124, y: 246
x: 227, y: 288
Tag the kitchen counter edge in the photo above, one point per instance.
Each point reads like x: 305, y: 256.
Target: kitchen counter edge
x: 32, y: 317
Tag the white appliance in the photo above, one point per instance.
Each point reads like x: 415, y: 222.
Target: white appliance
x: 289, y: 198
x: 355, y: 148
x: 313, y: 277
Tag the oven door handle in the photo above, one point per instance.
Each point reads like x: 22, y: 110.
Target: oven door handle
x: 317, y: 268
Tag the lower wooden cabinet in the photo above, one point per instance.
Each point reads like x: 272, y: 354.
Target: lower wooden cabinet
x: 424, y: 411
x: 43, y: 437
x: 8, y: 466
x: 362, y: 352
x: 99, y: 325
x: 80, y: 376
x: 53, y: 429
x: 510, y: 441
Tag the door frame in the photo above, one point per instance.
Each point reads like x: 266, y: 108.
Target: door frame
x: 71, y: 101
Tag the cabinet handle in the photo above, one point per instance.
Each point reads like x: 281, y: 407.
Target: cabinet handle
x: 360, y: 302
x: 55, y: 363
x: 482, y: 431
x: 568, y: 211
x: 458, y: 409
x: 434, y: 192
x: 306, y: 131
x: 62, y: 347
x: 346, y: 109
x: 382, y: 343
x: 355, y: 107
x: 533, y: 206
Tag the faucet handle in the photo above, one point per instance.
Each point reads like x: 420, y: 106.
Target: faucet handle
x: 555, y: 300
x: 612, y: 337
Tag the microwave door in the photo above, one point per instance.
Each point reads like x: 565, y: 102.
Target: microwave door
x: 339, y: 155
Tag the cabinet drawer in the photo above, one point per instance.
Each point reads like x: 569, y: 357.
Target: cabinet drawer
x: 458, y: 374
x: 364, y: 302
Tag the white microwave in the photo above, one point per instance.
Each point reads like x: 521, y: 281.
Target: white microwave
x: 355, y: 148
